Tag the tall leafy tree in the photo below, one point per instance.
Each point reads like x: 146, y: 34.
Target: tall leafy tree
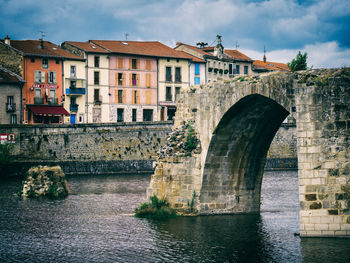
x: 298, y: 63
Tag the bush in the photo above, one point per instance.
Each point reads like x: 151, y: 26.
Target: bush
x: 5, y: 153
x: 156, y: 208
x: 191, y: 139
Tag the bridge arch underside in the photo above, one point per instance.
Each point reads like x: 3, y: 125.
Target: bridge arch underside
x: 236, y: 156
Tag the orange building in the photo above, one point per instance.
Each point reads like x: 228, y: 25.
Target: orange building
x: 40, y: 64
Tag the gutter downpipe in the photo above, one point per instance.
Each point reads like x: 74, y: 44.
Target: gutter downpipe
x: 87, y: 88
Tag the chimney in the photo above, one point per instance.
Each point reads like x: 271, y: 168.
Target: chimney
x: 41, y: 43
x: 7, y: 40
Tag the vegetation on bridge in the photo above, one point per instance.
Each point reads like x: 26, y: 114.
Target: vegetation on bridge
x: 156, y: 208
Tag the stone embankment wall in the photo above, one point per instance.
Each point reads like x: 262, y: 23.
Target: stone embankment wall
x: 112, y: 148
x: 88, y: 148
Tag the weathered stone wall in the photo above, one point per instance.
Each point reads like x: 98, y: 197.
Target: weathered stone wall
x: 120, y: 145
x: 235, y: 123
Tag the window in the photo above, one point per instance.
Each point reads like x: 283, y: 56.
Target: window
x: 134, y: 63
x: 148, y: 80
x: 52, y: 77
x: 134, y: 79
x: 32, y: 60
x: 10, y: 107
x: 120, y: 96
x: 135, y: 98
x: 57, y: 61
x: 52, y: 97
x: 196, y: 68
x: 246, y: 70
x: 171, y: 113
x: 237, y: 69
x: 37, y: 97
x: 168, y: 76
x: 230, y: 69
x: 177, y: 74
x: 13, y: 119
x: 196, y: 80
x: 134, y: 114
x: 120, y: 115
x: 120, y: 63
x: 120, y: 79
x: 97, y: 61
x: 73, y: 84
x: 96, y: 77
x: 148, y: 97
x: 148, y: 64
x: 177, y: 91
x: 39, y: 76
x: 147, y: 115
x: 81, y: 118
x: 45, y: 63
x: 168, y: 95
x: 97, y: 95
x: 73, y: 71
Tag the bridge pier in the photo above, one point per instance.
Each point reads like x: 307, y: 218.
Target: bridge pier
x: 235, y: 123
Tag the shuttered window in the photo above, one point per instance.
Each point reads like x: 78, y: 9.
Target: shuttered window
x: 52, y: 77
x: 120, y: 63
x: 39, y: 76
x: 148, y: 97
x: 148, y: 80
x: 148, y: 64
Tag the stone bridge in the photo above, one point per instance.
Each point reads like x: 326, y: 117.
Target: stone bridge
x: 215, y: 157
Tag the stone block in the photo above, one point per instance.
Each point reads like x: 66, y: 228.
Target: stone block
x: 334, y: 227
x: 321, y: 226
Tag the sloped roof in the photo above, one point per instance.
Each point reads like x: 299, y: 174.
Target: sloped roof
x: 41, y: 48
x: 270, y: 66
x: 237, y: 55
x: 194, y: 48
x: 87, y: 46
x: 7, y: 76
x: 143, y: 48
x: 193, y: 58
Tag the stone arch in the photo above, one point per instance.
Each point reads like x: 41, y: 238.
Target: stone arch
x: 236, y: 155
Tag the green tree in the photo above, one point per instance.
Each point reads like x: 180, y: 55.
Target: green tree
x: 298, y: 63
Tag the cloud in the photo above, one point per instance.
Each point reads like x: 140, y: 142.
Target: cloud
x: 320, y: 55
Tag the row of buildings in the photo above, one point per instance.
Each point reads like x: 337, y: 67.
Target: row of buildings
x: 108, y: 81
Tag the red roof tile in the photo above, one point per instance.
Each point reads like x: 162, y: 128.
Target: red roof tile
x: 152, y: 48
x: 273, y: 66
x: 41, y: 48
x: 193, y: 58
x: 7, y: 76
x: 235, y: 54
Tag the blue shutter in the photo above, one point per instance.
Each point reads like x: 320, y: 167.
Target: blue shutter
x: 196, y: 68
x: 196, y: 80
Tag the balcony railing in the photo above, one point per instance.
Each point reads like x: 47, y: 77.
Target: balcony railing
x: 178, y: 78
x: 52, y: 100
x: 38, y: 100
x: 74, y: 107
x: 10, y: 107
x: 75, y: 91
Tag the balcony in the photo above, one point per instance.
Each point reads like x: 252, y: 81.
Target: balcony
x: 38, y: 100
x: 10, y: 107
x: 74, y: 107
x: 52, y: 101
x: 75, y: 91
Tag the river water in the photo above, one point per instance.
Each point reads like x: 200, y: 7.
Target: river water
x: 94, y: 225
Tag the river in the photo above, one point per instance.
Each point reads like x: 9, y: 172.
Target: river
x: 94, y: 225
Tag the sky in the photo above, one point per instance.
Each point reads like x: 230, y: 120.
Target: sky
x: 319, y: 27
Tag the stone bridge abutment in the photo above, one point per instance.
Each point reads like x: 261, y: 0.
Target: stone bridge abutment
x: 235, y: 123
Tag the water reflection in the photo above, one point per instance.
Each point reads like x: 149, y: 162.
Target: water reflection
x: 93, y: 225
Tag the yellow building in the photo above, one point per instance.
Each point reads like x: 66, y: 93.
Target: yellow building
x: 74, y: 75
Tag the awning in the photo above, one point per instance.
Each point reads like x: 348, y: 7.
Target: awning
x: 46, y: 110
